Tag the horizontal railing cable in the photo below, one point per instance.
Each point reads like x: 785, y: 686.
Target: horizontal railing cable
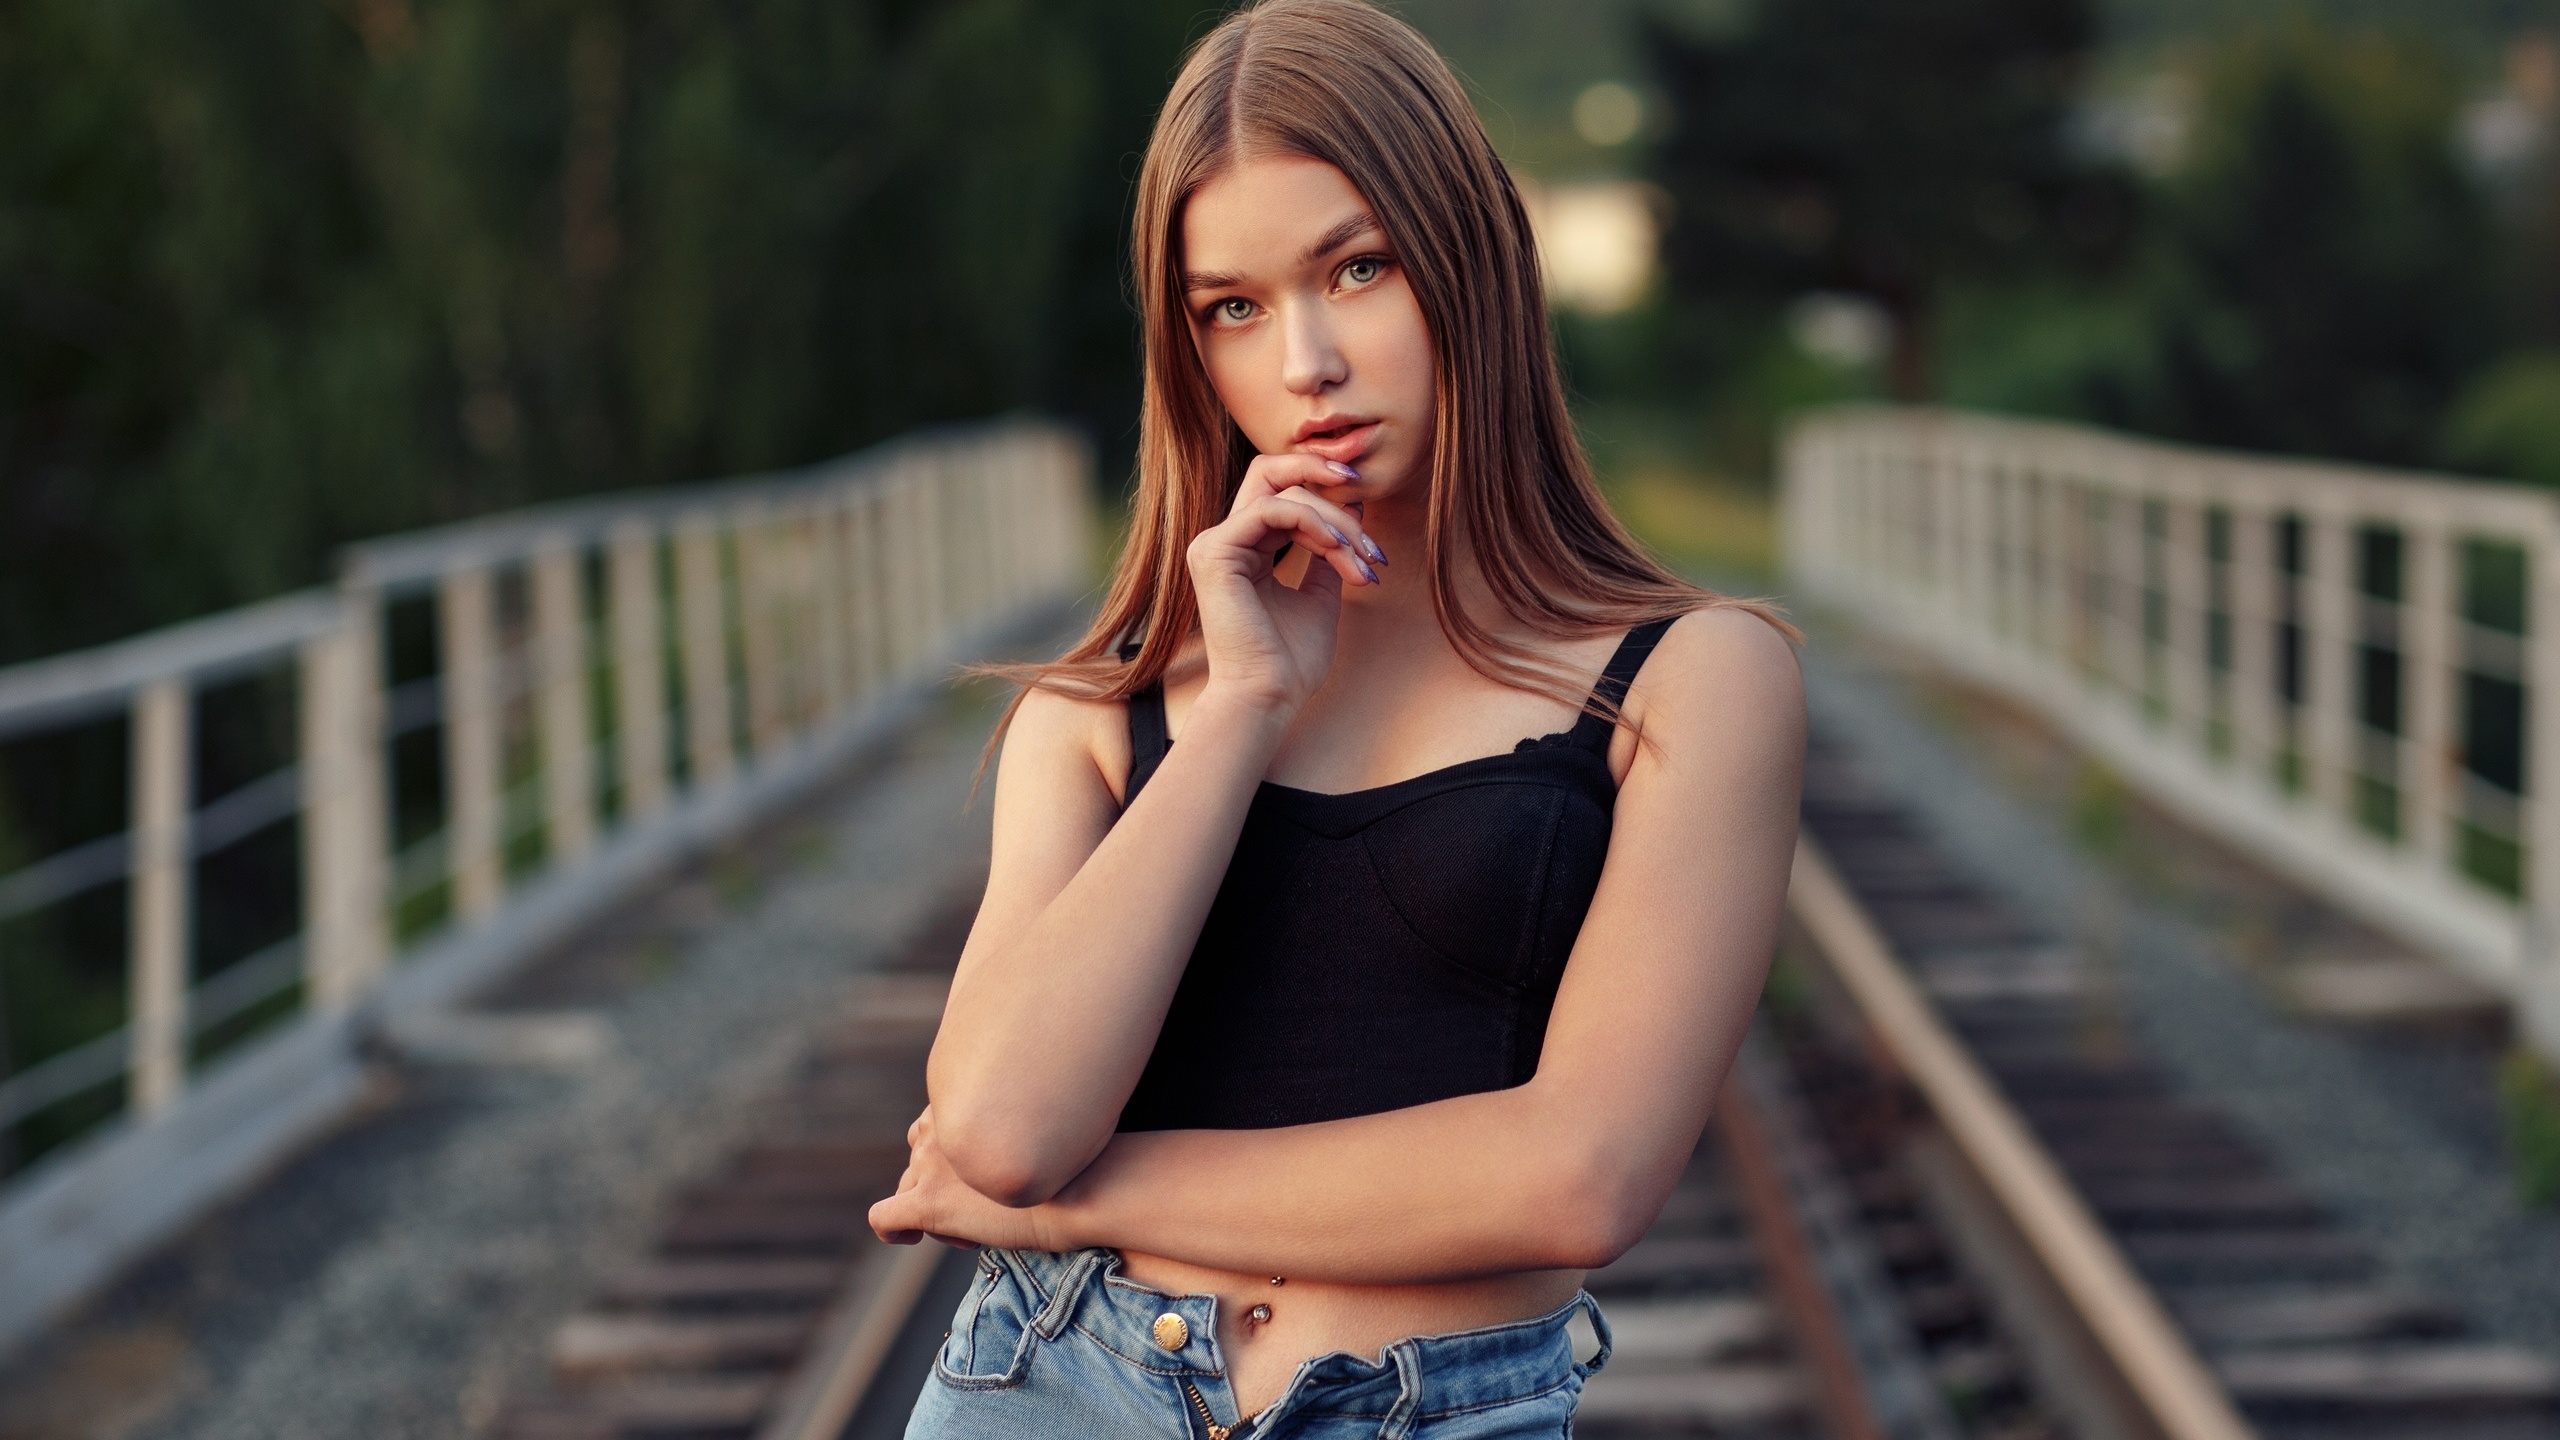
x: 269, y: 800
x: 240, y: 986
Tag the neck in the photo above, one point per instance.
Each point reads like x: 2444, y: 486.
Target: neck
x: 1398, y: 614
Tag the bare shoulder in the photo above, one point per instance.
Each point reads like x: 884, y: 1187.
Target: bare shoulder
x: 1057, y: 738
x: 1726, y: 679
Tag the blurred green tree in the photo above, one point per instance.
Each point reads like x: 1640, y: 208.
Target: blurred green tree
x: 2507, y: 421
x: 282, y: 273
x: 2330, y: 273
x: 1883, y: 147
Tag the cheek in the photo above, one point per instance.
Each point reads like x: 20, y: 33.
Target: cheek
x: 1247, y: 383
x: 1399, y: 363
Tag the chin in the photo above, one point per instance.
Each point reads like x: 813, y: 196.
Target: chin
x: 1388, y: 479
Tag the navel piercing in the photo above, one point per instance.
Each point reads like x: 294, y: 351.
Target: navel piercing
x: 1261, y: 1314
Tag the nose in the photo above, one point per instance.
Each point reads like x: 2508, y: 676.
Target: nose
x: 1311, y: 362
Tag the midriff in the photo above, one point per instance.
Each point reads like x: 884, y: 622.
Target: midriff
x: 1311, y: 1318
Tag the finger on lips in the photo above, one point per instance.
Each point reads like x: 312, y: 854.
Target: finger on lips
x: 1296, y: 480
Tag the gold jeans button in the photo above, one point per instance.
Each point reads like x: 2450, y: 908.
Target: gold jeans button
x: 1172, y: 1331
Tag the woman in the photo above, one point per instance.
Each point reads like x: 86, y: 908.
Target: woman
x: 1319, y: 1029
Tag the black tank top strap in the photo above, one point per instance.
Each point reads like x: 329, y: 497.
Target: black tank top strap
x: 1150, y: 736
x: 1592, y: 732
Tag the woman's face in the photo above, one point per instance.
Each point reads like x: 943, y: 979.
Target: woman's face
x: 1308, y: 330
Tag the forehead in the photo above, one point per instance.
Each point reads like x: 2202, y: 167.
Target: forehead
x: 1263, y: 213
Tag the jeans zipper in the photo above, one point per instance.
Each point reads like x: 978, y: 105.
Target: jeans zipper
x: 1216, y: 1430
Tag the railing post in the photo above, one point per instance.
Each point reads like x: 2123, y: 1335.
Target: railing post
x: 2061, y: 623
x: 2127, y: 643
x: 2427, y: 681
x: 2253, y: 626
x: 962, y: 513
x: 2008, y: 606
x: 2084, y: 641
x: 639, y: 670
x: 930, y: 515
x: 2183, y: 583
x: 808, y: 664
x: 829, y: 636
x: 1075, y: 482
x: 2329, y: 655
x: 864, y: 610
x: 160, y: 895
x: 1053, y: 526
x: 1000, y: 465
x: 1950, y: 494
x: 466, y: 624
x: 1018, y: 549
x: 906, y: 603
x: 986, y: 475
x: 711, y: 754
x: 560, y: 678
x: 2538, y: 974
x: 759, y: 618
x: 345, y: 861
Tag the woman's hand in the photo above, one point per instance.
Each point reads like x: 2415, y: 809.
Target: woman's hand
x: 933, y: 1201
x: 1267, y: 643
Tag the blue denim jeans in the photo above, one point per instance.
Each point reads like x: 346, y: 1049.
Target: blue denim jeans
x: 1059, y: 1345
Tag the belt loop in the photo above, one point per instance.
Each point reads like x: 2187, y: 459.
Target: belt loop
x: 1403, y: 1416
x: 1062, y: 1302
x: 1599, y: 1332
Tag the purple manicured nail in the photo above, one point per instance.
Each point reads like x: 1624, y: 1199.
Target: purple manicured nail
x: 1345, y: 471
x: 1374, y: 552
x: 1365, y: 570
x: 1338, y: 537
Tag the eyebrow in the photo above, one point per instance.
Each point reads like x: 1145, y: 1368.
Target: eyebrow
x: 1351, y: 228
x: 1340, y: 235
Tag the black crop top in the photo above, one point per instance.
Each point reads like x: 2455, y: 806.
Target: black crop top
x: 1386, y: 947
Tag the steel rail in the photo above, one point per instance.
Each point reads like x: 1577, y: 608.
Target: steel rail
x: 875, y: 1307
x: 2171, y: 1384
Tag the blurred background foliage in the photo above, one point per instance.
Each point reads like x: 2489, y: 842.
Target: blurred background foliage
x: 2319, y: 227
x: 278, y: 274
x: 282, y: 273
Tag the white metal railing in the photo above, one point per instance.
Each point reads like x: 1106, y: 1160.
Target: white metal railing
x: 2333, y: 666
x: 722, y: 628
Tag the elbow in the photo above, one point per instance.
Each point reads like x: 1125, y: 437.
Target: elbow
x: 1000, y: 1157
x: 1602, y: 1209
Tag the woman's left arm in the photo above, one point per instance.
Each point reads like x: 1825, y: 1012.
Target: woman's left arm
x: 1566, y: 1171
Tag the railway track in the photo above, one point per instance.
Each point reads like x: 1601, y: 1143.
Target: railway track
x: 1932, y: 1205
x: 767, y: 1308
x: 2292, y: 1316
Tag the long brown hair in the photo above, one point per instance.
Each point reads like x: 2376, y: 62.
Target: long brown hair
x: 1341, y: 82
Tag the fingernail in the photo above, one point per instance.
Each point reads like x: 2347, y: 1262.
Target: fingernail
x: 1365, y: 570
x: 1374, y: 552
x: 1338, y: 537
x: 1345, y: 471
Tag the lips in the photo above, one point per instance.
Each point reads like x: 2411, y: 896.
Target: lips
x: 1342, y: 442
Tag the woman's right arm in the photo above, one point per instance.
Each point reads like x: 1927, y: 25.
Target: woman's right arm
x: 1090, y: 915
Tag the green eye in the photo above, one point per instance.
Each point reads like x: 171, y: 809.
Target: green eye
x: 1235, y: 310
x: 1361, y: 271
